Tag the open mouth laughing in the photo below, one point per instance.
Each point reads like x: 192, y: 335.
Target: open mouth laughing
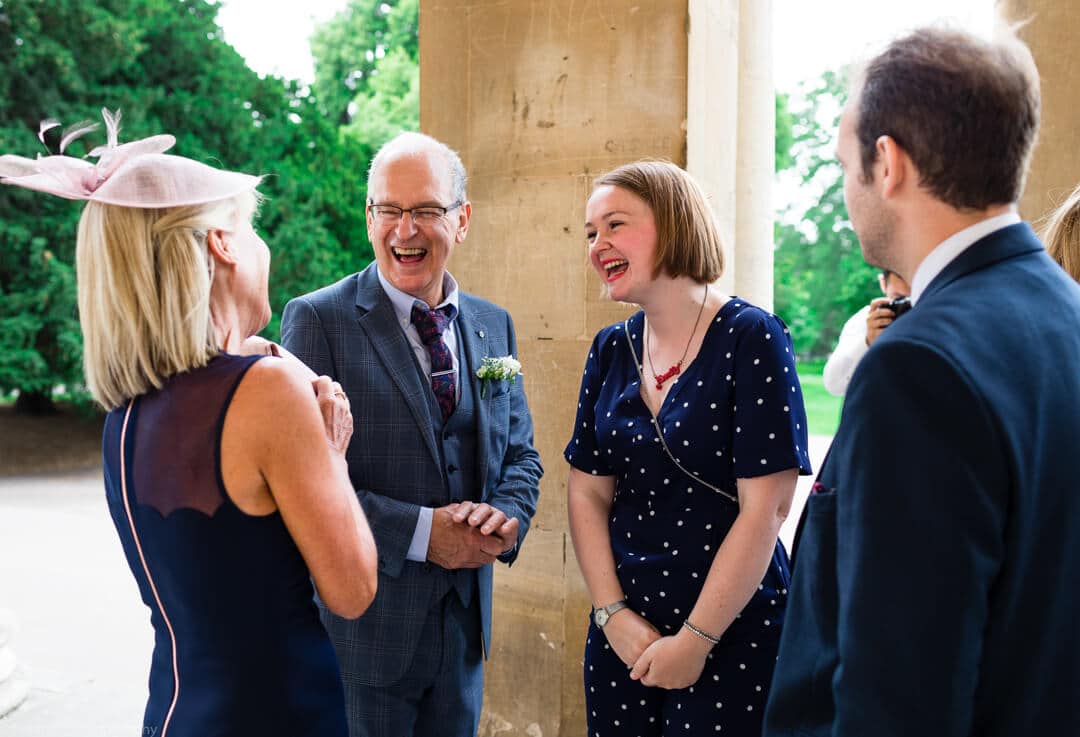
x: 614, y: 268
x: 408, y: 255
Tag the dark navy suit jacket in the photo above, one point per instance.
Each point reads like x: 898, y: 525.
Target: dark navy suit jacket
x: 935, y: 584
x: 349, y: 331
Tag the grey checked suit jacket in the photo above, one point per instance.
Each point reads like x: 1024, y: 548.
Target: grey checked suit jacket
x: 349, y: 331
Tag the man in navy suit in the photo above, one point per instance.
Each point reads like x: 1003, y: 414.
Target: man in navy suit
x: 445, y: 468
x: 935, y: 578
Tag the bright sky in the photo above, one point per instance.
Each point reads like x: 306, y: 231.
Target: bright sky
x: 273, y: 35
x: 809, y: 35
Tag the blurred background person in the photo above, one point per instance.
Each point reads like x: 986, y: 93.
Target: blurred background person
x: 224, y: 474
x: 863, y: 328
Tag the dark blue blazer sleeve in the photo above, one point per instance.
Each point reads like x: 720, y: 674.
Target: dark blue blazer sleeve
x: 920, y: 544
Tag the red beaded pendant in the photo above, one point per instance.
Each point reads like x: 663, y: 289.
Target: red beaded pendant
x: 673, y: 371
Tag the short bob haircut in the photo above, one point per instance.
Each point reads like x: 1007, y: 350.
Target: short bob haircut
x: 144, y: 279
x: 965, y: 110
x: 1061, y: 234
x: 687, y: 236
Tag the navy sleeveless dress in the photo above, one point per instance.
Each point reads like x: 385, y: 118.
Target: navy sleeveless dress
x: 735, y: 412
x: 239, y: 649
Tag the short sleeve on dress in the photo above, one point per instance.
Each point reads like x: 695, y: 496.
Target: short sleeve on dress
x: 769, y: 432
x: 583, y: 450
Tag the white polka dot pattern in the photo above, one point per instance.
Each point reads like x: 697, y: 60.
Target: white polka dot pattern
x: 737, y: 413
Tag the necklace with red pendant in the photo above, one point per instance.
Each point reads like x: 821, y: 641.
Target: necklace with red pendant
x: 676, y: 369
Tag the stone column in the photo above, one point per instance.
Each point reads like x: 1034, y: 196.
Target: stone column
x: 13, y: 688
x: 541, y: 96
x: 729, y: 134
x: 1051, y: 31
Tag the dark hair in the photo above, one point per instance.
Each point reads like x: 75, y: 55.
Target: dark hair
x: 687, y: 236
x: 965, y: 110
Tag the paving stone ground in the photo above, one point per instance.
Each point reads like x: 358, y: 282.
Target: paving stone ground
x: 84, y: 636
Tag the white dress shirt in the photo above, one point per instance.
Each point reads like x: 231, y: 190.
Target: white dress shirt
x: 403, y: 304
x: 850, y: 349
x: 949, y: 249
x: 852, y: 344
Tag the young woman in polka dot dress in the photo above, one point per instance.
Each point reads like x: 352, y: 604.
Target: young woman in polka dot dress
x: 678, y: 544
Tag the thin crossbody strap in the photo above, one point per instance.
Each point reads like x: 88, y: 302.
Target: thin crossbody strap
x: 660, y: 432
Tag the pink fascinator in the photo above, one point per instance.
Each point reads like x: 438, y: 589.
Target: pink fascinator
x: 133, y: 174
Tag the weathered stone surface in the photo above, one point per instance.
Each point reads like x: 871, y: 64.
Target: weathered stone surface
x: 540, y: 98
x: 1051, y: 29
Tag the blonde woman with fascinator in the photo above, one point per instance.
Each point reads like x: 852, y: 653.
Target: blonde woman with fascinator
x: 689, y: 436
x: 1062, y: 235
x: 224, y: 473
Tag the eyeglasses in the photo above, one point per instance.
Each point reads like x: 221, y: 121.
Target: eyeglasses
x: 425, y: 215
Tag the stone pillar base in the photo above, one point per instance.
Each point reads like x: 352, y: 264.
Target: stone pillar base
x: 13, y: 687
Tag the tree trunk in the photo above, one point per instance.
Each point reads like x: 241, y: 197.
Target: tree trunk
x: 34, y: 403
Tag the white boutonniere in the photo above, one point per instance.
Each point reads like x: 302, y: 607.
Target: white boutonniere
x: 501, y: 368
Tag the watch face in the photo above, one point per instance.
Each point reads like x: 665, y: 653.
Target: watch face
x: 600, y: 616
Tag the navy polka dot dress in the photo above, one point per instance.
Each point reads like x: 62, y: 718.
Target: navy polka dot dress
x: 735, y: 412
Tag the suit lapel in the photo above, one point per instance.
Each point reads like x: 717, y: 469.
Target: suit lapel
x: 470, y: 331
x: 1014, y: 240
x: 379, y: 321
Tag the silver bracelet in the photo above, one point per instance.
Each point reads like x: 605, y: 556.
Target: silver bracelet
x: 701, y: 633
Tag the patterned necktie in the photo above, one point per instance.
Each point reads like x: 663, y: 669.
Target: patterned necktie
x: 431, y: 324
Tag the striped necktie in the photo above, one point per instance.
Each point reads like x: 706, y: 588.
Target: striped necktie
x: 431, y: 324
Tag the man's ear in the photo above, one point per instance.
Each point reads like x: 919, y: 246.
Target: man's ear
x: 219, y: 247
x: 893, y: 164
x: 369, y: 221
x: 464, y: 215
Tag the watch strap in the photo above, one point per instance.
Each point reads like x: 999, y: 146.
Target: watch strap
x: 615, y: 606
x: 601, y: 615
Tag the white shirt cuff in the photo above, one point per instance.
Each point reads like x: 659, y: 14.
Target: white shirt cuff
x: 421, y: 536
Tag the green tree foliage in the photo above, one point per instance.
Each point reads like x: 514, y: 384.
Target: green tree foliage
x: 785, y: 134
x: 166, y: 65
x: 820, y: 276
x: 392, y: 102
x: 367, y: 73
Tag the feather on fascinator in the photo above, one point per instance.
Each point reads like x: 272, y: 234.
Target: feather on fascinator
x: 134, y: 174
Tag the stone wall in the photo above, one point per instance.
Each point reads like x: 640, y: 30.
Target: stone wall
x: 539, y: 97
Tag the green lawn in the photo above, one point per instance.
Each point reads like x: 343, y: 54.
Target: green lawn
x: 822, y: 408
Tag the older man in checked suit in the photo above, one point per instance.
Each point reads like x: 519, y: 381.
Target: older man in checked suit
x: 447, y: 477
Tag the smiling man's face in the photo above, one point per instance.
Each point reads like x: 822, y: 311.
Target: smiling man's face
x: 412, y: 255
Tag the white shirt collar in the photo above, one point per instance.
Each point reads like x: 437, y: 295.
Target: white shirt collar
x: 950, y: 248
x: 403, y: 302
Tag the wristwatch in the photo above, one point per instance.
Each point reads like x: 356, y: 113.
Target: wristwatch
x: 603, y: 614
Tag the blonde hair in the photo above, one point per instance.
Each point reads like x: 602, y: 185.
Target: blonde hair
x: 144, y: 279
x: 1061, y: 234
x: 687, y: 237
